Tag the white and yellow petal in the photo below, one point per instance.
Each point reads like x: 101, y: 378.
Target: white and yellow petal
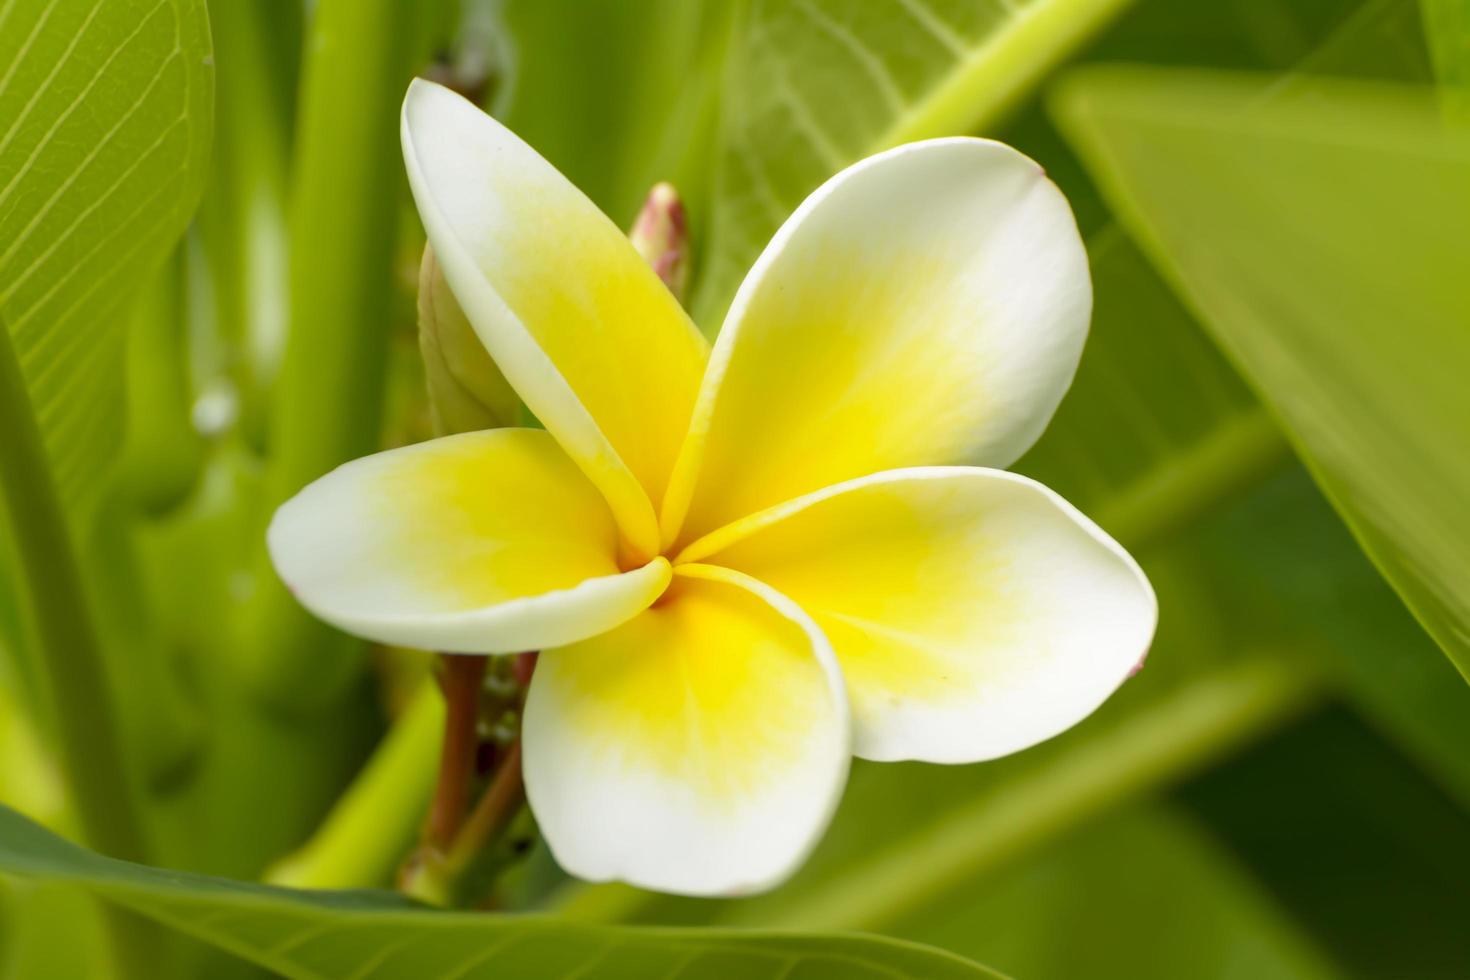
x: 485, y: 542
x: 925, y: 306
x: 586, y: 333
x: 699, y: 748
x: 974, y: 612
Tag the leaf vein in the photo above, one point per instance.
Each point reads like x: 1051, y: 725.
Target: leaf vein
x: 875, y: 69
x: 81, y: 168
x: 937, y: 28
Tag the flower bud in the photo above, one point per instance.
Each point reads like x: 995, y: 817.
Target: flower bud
x: 661, y: 236
x: 467, y: 392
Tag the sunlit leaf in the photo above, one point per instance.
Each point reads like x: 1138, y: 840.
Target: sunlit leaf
x: 105, y: 113
x: 311, y: 935
x: 1349, y: 319
x: 1447, y: 24
x: 815, y: 85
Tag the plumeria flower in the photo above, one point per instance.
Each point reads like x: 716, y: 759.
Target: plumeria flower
x: 743, y: 565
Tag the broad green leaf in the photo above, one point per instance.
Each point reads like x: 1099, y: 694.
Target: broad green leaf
x: 1320, y: 235
x: 105, y: 112
x: 1447, y: 24
x: 105, y: 121
x: 815, y: 85
x: 1158, y: 426
x: 339, y: 934
x: 1156, y: 416
x: 1353, y: 38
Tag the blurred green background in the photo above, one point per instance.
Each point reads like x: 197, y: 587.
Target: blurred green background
x: 208, y: 263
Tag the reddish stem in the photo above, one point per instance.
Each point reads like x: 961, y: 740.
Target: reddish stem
x: 507, y: 790
x: 524, y: 667
x: 502, y: 798
x: 463, y: 676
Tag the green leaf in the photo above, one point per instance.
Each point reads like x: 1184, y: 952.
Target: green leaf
x: 105, y: 119
x: 1321, y: 237
x: 327, y: 400
x: 105, y: 113
x: 1447, y: 25
x: 815, y: 85
x: 1157, y: 425
x: 339, y: 934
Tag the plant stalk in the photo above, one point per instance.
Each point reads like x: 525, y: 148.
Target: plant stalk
x: 242, y: 220
x: 449, y: 870
x: 363, y: 839
x: 329, y: 394
x: 505, y: 794
x: 993, y: 77
x: 458, y: 875
x: 463, y: 676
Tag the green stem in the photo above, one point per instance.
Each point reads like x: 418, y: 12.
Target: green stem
x: 1447, y: 31
x: 71, y: 665
x: 162, y: 723
x: 242, y: 219
x: 374, y: 823
x: 164, y: 453
x: 328, y: 398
